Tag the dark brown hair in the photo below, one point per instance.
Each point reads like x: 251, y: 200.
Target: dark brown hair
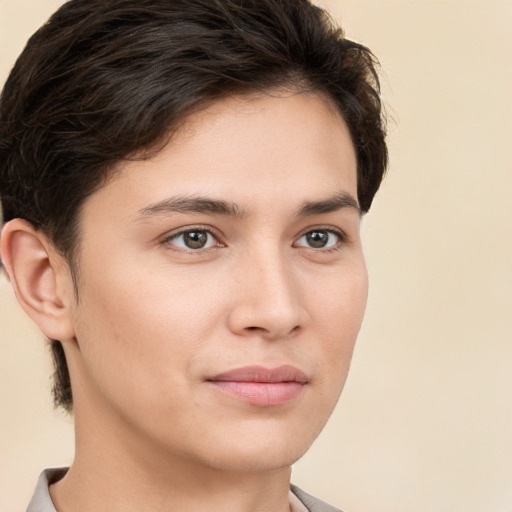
x: 104, y: 80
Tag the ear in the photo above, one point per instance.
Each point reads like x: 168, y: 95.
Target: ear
x: 40, y: 277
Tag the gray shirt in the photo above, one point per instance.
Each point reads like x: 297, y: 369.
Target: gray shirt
x: 42, y: 502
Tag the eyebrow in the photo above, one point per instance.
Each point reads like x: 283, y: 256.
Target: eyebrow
x: 183, y: 204
x: 332, y: 204
x: 205, y: 205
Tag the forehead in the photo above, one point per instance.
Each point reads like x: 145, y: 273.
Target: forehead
x: 243, y: 148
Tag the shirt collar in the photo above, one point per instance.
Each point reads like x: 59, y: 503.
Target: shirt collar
x: 42, y: 502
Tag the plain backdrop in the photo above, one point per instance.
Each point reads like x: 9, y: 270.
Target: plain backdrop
x: 424, y: 423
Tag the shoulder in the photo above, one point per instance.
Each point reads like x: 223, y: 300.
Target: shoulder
x: 313, y: 504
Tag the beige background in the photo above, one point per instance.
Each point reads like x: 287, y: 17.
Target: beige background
x: 425, y: 420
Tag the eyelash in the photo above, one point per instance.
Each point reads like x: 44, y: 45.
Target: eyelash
x: 203, y: 229
x: 342, y: 238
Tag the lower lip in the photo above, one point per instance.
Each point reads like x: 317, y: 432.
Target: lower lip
x: 264, y: 394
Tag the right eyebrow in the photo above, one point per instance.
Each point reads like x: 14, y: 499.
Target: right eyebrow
x: 185, y: 204
x: 331, y: 204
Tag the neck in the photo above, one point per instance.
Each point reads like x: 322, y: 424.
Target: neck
x: 106, y: 476
x: 100, y: 490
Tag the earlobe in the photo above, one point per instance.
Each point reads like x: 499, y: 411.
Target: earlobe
x: 38, y: 276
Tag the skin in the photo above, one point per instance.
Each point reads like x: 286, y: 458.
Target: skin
x: 156, y: 319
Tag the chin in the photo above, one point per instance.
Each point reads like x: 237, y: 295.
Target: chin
x: 262, y: 449
x: 271, y: 458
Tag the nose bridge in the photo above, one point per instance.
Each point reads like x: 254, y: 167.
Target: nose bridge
x: 275, y: 278
x: 269, y: 295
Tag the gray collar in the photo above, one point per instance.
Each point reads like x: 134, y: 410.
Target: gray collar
x: 42, y: 502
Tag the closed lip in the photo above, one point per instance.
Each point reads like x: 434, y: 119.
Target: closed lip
x: 285, y: 373
x: 260, y: 386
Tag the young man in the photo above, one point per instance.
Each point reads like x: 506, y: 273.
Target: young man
x: 182, y: 184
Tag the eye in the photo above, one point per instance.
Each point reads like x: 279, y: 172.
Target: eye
x: 193, y: 239
x: 320, y: 239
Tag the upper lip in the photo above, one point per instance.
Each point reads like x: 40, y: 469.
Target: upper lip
x: 285, y: 373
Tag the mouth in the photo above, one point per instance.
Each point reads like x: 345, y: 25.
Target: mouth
x: 261, y: 386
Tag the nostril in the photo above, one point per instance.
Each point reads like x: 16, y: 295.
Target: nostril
x: 269, y: 332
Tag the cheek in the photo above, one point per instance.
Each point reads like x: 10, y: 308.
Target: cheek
x: 337, y: 312
x: 144, y: 322
x: 338, y: 306
x: 139, y: 343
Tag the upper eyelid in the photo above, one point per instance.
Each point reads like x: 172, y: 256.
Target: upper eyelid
x: 338, y: 231
x: 199, y: 227
x: 343, y: 238
x: 218, y: 235
x: 168, y: 240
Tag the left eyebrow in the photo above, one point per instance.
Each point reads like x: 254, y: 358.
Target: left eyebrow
x: 332, y: 204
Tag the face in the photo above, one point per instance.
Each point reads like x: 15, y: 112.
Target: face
x: 221, y: 287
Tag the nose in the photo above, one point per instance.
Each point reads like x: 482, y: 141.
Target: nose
x: 267, y: 299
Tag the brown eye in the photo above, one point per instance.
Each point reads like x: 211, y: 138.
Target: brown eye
x: 319, y: 239
x: 193, y: 239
